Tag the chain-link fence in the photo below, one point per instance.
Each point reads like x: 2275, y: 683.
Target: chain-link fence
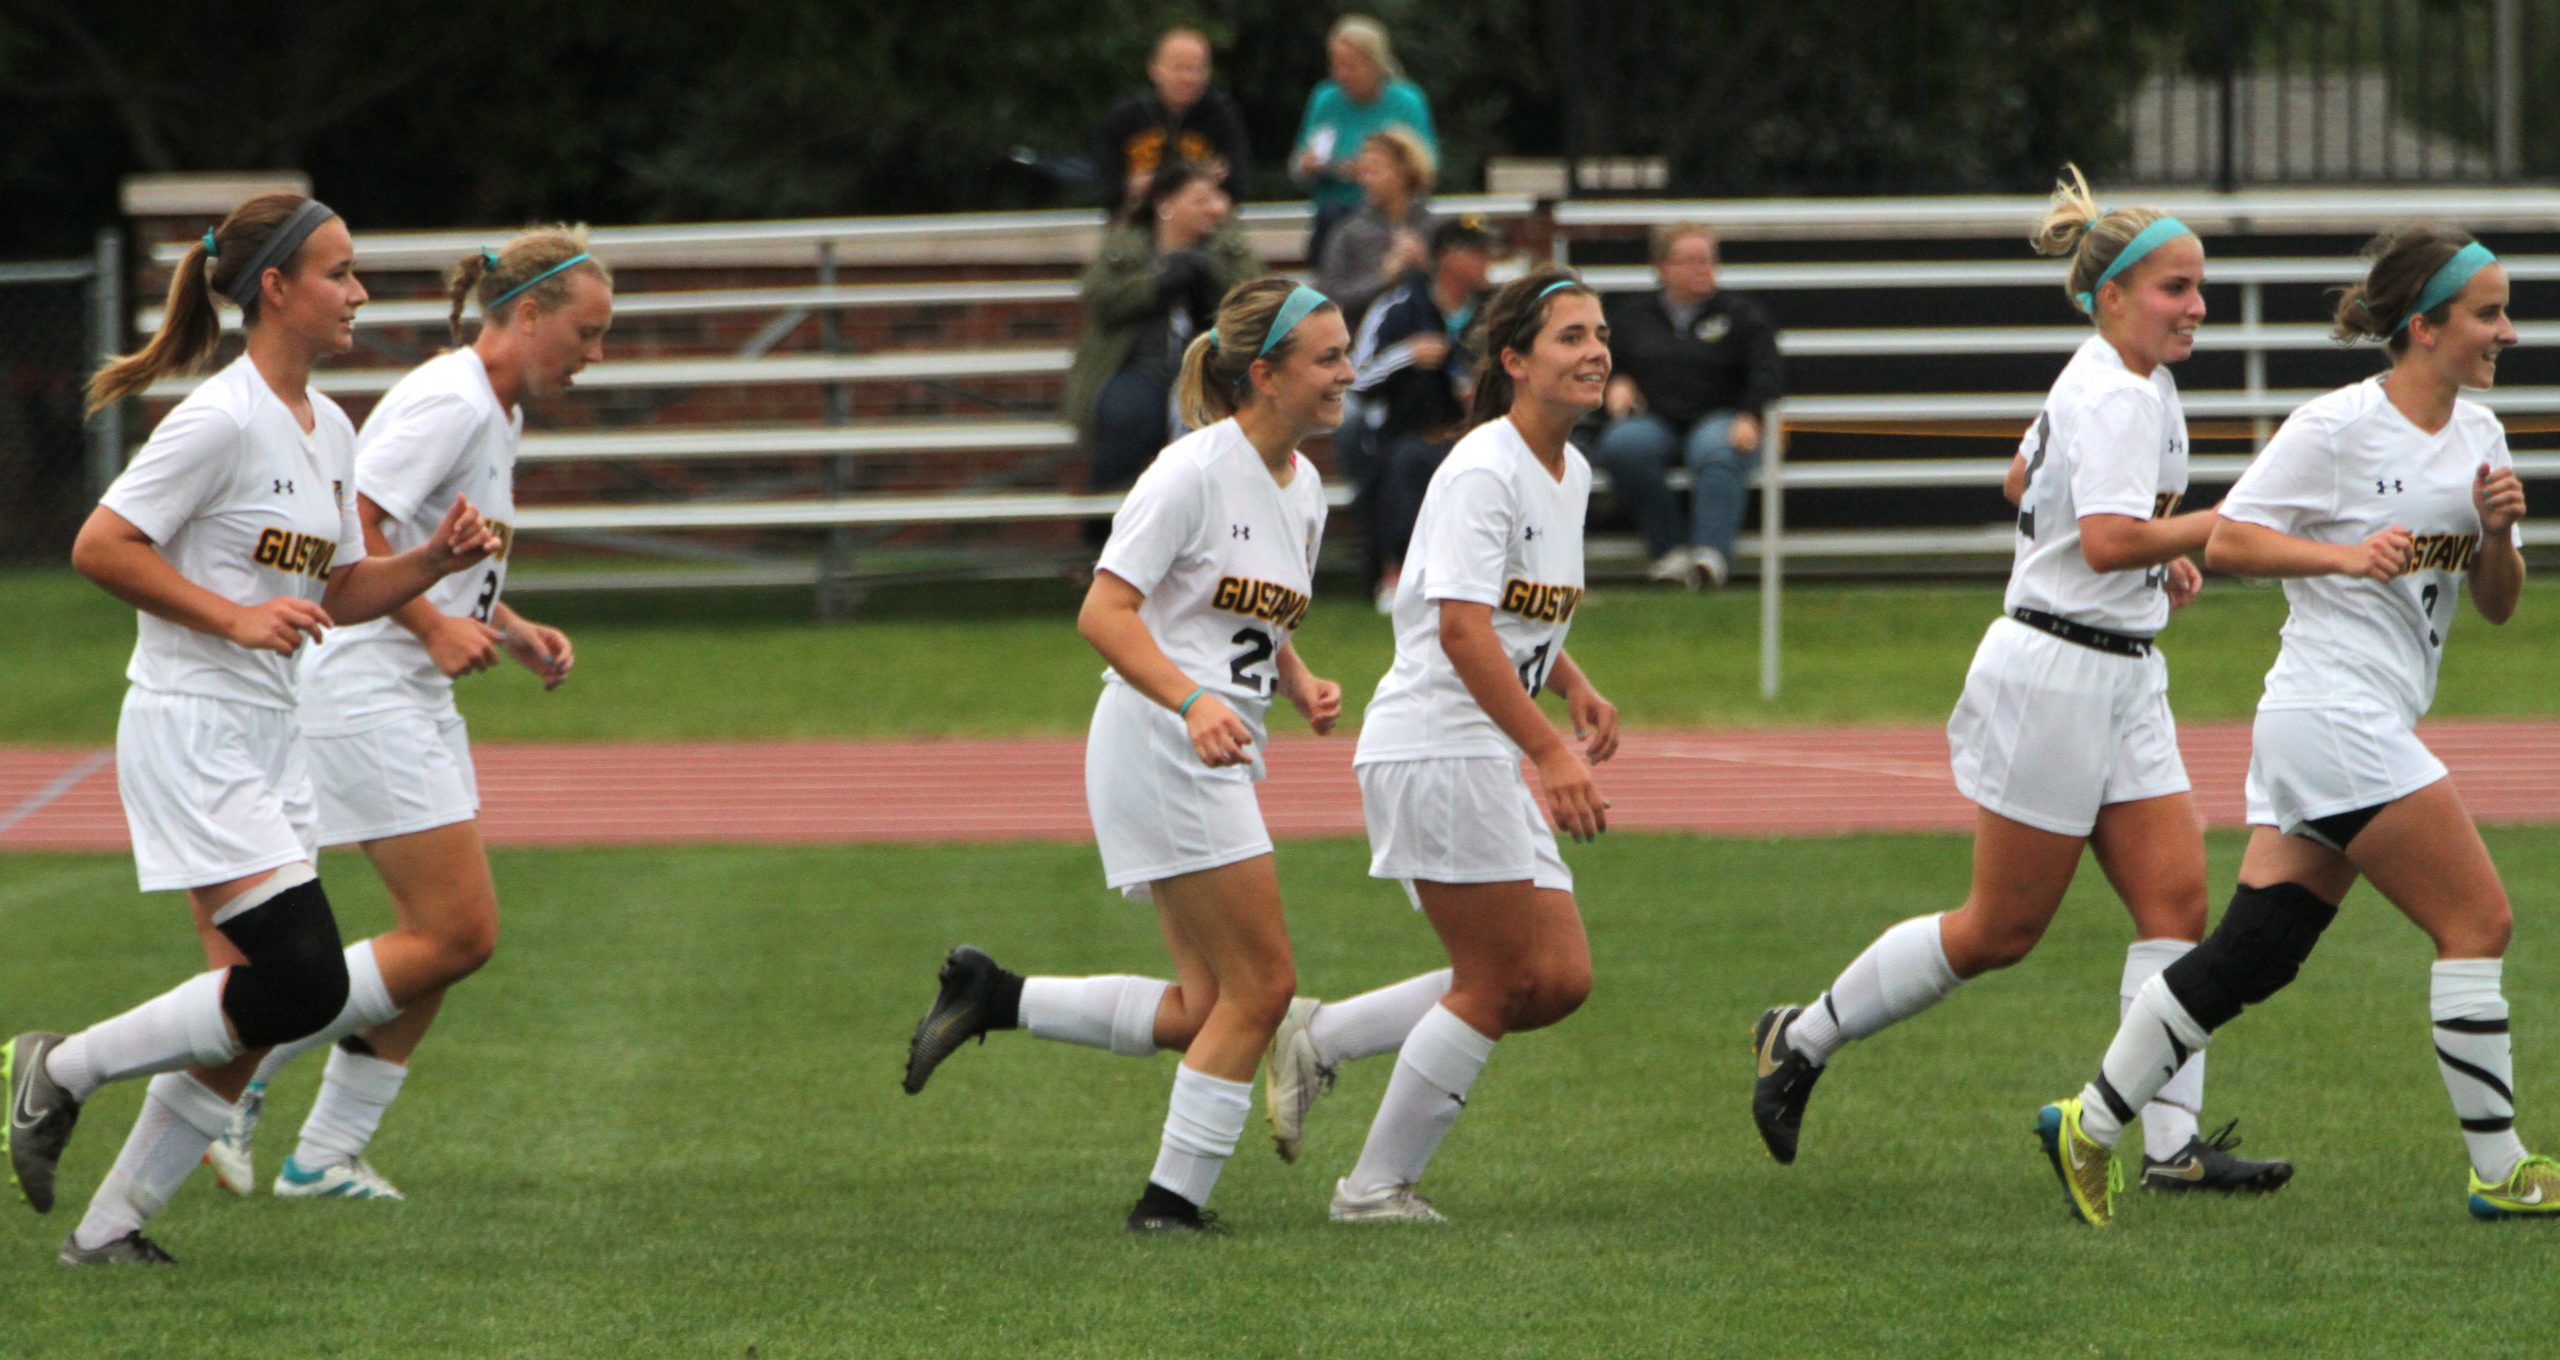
x: 56, y: 318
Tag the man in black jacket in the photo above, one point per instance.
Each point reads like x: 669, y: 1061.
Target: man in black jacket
x: 1696, y: 369
x: 1181, y: 118
x: 1416, y: 374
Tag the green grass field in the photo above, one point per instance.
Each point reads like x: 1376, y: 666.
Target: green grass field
x: 1002, y: 659
x: 665, y: 1123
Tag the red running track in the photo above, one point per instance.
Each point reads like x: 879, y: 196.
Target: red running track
x: 1800, y: 781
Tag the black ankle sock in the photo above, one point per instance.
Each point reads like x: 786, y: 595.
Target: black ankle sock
x: 1004, y: 1001
x: 1159, y: 1202
x: 355, y: 1043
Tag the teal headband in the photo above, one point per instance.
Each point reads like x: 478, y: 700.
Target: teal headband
x: 2145, y: 241
x: 578, y: 259
x: 1560, y: 283
x: 1301, y: 301
x: 2448, y: 280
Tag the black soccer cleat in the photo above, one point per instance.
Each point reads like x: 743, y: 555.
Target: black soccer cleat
x: 40, y: 1118
x: 963, y: 1010
x: 2206, y: 1163
x: 1784, y: 1083
x: 1160, y: 1211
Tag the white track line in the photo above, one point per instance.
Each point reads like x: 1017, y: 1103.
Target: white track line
x: 60, y: 784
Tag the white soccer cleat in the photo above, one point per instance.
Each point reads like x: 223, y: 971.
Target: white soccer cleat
x: 1395, y: 1204
x: 340, y: 1180
x: 233, y: 1168
x: 1292, y: 1078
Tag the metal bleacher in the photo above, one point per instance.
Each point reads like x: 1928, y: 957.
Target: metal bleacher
x: 1060, y: 240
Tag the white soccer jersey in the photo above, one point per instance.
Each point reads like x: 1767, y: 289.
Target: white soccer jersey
x: 246, y: 505
x: 1225, y: 557
x: 2107, y: 443
x: 1495, y: 529
x: 438, y: 434
x: 2344, y: 467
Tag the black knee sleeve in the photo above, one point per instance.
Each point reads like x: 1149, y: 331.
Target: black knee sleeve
x: 2254, y: 952
x: 295, y: 981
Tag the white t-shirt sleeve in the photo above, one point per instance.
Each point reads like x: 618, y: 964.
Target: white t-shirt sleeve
x: 2115, y: 461
x: 2292, y: 484
x: 180, y: 470
x: 1321, y: 512
x: 1471, y: 543
x: 405, y: 459
x: 2502, y: 459
x: 1157, y: 525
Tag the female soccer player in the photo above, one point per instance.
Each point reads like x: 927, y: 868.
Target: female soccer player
x: 1206, y: 574
x: 2063, y: 736
x: 2372, y: 504
x: 1488, y: 594
x: 234, y: 533
x: 390, y: 759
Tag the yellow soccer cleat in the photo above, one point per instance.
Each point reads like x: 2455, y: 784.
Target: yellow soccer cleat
x: 2089, y: 1173
x: 2532, y: 1190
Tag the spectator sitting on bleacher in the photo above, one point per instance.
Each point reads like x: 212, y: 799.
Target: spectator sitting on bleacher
x: 1696, y: 369
x: 1182, y: 117
x: 1156, y: 284
x: 1415, y: 375
x: 1385, y: 239
x: 1368, y: 93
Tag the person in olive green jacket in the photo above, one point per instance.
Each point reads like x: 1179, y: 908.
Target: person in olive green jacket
x: 1155, y: 284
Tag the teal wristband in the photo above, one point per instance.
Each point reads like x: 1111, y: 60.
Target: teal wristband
x: 1183, y: 709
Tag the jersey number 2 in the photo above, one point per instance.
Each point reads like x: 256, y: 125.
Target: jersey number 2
x: 1258, y: 648
x: 2026, y: 513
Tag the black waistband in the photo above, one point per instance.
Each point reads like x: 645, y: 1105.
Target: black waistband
x: 2122, y: 644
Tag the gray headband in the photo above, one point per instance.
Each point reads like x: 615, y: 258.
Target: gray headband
x: 286, y: 239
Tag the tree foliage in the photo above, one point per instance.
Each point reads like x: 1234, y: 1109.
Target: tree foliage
x: 432, y: 112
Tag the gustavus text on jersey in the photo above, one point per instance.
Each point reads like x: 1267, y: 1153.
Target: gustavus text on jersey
x: 1544, y: 603
x: 1260, y: 600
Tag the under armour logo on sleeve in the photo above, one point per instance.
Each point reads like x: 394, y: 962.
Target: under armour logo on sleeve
x: 1239, y: 531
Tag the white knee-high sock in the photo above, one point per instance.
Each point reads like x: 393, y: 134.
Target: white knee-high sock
x: 180, y: 1119
x: 1374, y: 1022
x: 2477, y: 1058
x: 1201, y: 1127
x: 355, y: 1090
x: 368, y: 1004
x: 1114, y: 1011
x: 179, y: 1029
x: 1437, y: 1064
x: 2153, y: 1041
x: 2169, y: 1121
x: 1902, y: 974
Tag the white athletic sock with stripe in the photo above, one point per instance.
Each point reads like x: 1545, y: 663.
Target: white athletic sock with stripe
x: 180, y: 1119
x: 355, y: 1090
x: 2477, y: 1057
x: 1376, y: 1022
x: 1437, y: 1064
x: 1902, y: 974
x: 2169, y: 1121
x: 1201, y: 1127
x: 1115, y: 1011
x: 368, y: 1004
x: 2155, y: 1039
x: 177, y: 1030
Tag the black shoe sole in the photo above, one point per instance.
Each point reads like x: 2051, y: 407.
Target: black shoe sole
x: 956, y: 1017
x: 2267, y: 1182
x: 1777, y: 1135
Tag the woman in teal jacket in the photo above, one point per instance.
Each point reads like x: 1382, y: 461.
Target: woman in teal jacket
x: 1367, y: 95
